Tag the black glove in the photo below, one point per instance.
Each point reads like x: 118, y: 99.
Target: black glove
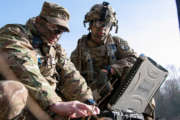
x: 104, y: 86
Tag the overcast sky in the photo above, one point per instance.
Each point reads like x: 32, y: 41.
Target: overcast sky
x: 149, y: 26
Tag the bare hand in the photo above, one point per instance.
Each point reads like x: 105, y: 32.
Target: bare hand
x: 74, y: 109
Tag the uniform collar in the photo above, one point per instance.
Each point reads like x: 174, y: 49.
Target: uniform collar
x: 92, y: 43
x: 34, y: 32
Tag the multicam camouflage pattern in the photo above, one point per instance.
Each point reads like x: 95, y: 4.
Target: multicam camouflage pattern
x: 115, y: 53
x: 150, y: 110
x: 13, y: 97
x: 89, y: 58
x: 96, y: 12
x: 42, y: 69
x: 55, y: 14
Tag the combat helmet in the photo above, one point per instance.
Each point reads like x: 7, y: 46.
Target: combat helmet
x: 102, y: 12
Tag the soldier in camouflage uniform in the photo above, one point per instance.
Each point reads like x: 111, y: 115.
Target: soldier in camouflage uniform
x: 100, y: 57
x: 40, y: 63
x: 13, y: 97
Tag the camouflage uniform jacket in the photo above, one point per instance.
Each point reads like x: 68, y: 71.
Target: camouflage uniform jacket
x: 90, y: 58
x: 37, y: 66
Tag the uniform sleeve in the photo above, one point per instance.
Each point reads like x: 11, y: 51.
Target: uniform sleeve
x: 23, y: 61
x: 126, y: 56
x: 74, y: 85
x: 75, y: 57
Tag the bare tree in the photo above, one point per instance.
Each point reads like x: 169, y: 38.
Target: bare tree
x: 168, y: 97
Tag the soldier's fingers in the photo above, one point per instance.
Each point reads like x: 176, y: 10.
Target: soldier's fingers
x: 79, y: 113
x: 83, y: 106
x: 91, y: 109
x: 96, y: 110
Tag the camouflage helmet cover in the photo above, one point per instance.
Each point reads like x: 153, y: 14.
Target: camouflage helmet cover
x: 102, y: 12
x: 55, y: 14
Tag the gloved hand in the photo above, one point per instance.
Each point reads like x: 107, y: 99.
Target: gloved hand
x: 109, y: 69
x: 103, y: 84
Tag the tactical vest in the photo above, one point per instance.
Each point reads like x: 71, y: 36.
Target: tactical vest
x: 96, y: 58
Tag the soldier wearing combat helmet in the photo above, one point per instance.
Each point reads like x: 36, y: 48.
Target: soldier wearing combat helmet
x: 40, y: 64
x: 101, y: 15
x: 101, y: 57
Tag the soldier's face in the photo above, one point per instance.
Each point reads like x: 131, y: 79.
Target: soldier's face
x: 100, y: 30
x: 50, y: 33
x: 54, y: 33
